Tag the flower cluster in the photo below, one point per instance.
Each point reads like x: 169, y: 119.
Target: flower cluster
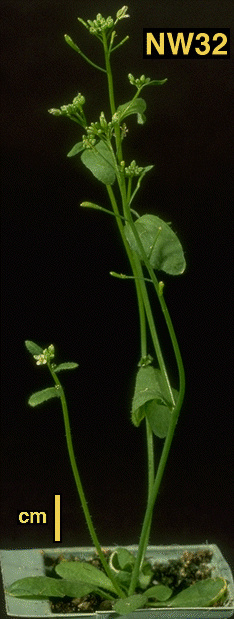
x: 89, y: 140
x: 72, y: 109
x: 97, y: 129
x: 45, y: 356
x: 133, y: 169
x: 138, y: 82
x: 144, y: 361
x: 79, y: 100
x: 99, y: 24
x: 124, y: 131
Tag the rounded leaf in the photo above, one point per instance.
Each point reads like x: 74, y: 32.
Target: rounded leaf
x: 161, y: 245
x: 129, y: 604
x: 159, y: 417
x: 100, y: 162
x: 137, y: 106
x: 202, y: 593
x: 159, y: 592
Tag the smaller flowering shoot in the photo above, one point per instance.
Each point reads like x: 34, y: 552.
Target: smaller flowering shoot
x: 125, y: 580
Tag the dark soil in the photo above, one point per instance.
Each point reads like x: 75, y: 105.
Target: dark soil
x: 176, y: 574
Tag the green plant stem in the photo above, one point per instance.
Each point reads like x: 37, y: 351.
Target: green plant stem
x: 155, y: 489
x: 134, y: 262
x: 109, y: 75
x: 142, y: 301
x: 163, y: 306
x: 141, y: 289
x: 149, y: 433
x: 119, y: 154
x: 121, y: 43
x: 150, y: 452
x: 153, y: 485
x: 129, y: 191
x: 150, y: 447
x: 153, y: 331
x: 133, y: 267
x: 142, y: 294
x: 77, y: 49
x: 175, y: 413
x: 79, y: 484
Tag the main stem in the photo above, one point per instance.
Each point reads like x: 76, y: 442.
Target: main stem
x: 141, y: 289
x: 79, y: 485
x: 137, y: 273
x: 143, y: 299
x: 150, y: 506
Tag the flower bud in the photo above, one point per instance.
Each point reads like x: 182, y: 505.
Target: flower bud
x: 54, y: 112
x: 131, y: 79
x: 122, y: 13
x: 103, y: 122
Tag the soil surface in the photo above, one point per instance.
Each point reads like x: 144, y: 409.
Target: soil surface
x: 176, y: 574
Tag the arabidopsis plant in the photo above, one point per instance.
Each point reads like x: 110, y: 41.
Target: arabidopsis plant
x: 151, y: 245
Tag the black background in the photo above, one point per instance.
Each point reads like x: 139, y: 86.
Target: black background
x: 57, y: 287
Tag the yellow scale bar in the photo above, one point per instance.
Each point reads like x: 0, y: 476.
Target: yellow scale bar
x: 57, y: 518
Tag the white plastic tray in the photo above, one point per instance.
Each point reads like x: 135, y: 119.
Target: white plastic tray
x: 30, y: 562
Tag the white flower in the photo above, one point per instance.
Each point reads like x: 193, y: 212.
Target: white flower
x: 45, y: 356
x: 41, y: 359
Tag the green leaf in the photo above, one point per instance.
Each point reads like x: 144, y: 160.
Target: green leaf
x: 66, y: 366
x: 33, y: 348
x: 151, y: 400
x: 42, y: 587
x: 146, y: 574
x: 42, y: 396
x: 100, y: 161
x: 149, y: 386
x: 84, y: 572
x: 137, y: 415
x: 144, y: 579
x: 129, y: 604
x: 159, y: 417
x: 156, y: 82
x: 123, y: 578
x: 137, y: 106
x: 161, y: 245
x: 121, y: 562
x: 76, y: 149
x: 202, y: 593
x: 125, y: 558
x: 159, y: 592
x: 122, y: 559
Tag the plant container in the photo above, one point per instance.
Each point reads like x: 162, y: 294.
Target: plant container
x: 17, y: 564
